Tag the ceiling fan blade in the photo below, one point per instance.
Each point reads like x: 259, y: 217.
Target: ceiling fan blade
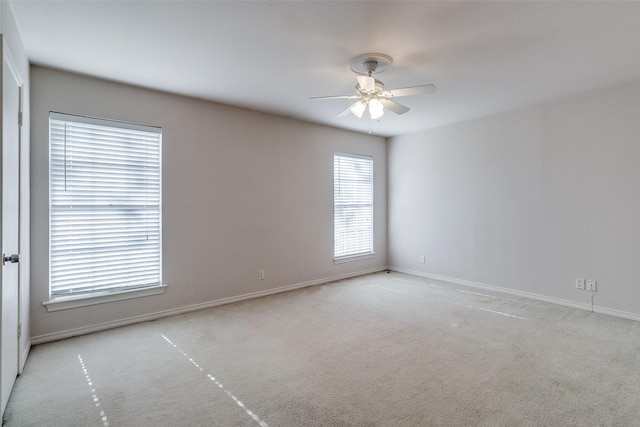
x: 407, y: 91
x: 336, y: 97
x: 393, y: 106
x: 367, y: 83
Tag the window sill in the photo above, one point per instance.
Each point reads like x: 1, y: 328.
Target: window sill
x: 85, y: 300
x: 350, y: 258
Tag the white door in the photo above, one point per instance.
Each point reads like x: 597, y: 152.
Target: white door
x: 10, y: 227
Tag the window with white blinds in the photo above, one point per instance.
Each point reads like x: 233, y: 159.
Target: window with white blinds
x: 105, y: 210
x: 353, y: 205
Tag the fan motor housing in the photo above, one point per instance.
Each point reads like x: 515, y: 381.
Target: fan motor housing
x: 379, y: 88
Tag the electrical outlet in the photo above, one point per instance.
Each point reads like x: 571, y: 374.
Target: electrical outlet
x: 579, y: 283
x: 260, y: 274
x: 591, y: 285
x: 422, y: 259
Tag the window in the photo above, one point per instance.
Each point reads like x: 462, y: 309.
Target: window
x: 353, y: 206
x: 105, y: 210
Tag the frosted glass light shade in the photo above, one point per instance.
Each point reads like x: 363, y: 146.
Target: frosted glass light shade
x: 376, y: 109
x: 358, y: 109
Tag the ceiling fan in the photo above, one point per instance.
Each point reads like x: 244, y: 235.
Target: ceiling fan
x: 370, y: 91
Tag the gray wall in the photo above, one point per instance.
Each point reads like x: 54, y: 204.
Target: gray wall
x: 527, y: 200
x: 242, y: 191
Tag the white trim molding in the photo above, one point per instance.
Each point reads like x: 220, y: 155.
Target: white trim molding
x: 349, y: 258
x: 25, y: 354
x: 40, y: 339
x: 531, y: 295
x: 616, y: 313
x: 93, y: 299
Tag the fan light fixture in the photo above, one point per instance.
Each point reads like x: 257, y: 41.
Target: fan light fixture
x: 370, y: 92
x: 376, y: 109
x: 358, y: 108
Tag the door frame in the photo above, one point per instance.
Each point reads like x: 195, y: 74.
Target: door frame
x: 8, y: 58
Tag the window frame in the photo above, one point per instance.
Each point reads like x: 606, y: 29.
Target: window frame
x: 114, y: 292
x: 370, y: 251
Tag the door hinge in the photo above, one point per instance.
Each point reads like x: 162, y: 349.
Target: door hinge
x: 19, y: 330
x: 20, y: 118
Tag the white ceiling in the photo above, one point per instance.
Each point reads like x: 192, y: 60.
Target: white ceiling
x: 484, y: 57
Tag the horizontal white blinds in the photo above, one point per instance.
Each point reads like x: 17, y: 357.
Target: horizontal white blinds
x: 105, y: 211
x: 353, y: 205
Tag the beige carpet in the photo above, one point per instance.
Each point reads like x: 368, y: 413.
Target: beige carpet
x: 379, y: 350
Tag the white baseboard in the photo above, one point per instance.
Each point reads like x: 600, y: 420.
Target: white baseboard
x: 616, y: 313
x: 55, y: 336
x: 531, y: 295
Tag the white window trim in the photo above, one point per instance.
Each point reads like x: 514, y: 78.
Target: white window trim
x: 362, y: 255
x: 68, y: 302
x: 350, y: 258
x: 65, y: 303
